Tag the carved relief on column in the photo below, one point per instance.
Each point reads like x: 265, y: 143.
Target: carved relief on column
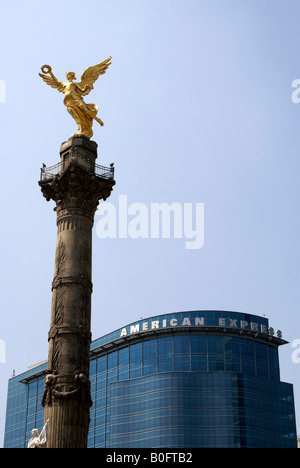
x: 55, y: 391
x: 74, y: 218
x: 69, y: 335
x: 58, y: 318
x: 59, y: 384
x: 60, y: 258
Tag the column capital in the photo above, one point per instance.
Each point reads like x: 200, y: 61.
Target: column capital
x: 77, y: 181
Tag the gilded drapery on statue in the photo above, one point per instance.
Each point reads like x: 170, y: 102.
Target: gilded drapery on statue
x: 82, y: 113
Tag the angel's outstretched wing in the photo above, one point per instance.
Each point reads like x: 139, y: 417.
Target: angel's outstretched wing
x: 91, y: 74
x: 53, y: 82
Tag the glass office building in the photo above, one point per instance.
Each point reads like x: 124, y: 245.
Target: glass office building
x: 191, y: 379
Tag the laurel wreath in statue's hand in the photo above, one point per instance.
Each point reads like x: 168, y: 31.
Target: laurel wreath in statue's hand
x: 46, y: 69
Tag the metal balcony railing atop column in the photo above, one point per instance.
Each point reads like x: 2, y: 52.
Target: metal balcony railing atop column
x: 75, y: 158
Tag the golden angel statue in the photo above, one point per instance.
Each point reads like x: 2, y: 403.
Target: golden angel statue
x: 83, y: 113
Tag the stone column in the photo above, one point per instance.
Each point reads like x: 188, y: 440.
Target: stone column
x: 76, y: 188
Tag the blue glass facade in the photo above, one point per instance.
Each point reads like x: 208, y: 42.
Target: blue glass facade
x: 24, y: 410
x: 189, y: 379
x: 213, y: 410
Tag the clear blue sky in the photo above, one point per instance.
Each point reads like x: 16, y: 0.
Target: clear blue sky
x: 197, y: 109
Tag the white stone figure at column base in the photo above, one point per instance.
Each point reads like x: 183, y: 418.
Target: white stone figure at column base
x: 38, y: 440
